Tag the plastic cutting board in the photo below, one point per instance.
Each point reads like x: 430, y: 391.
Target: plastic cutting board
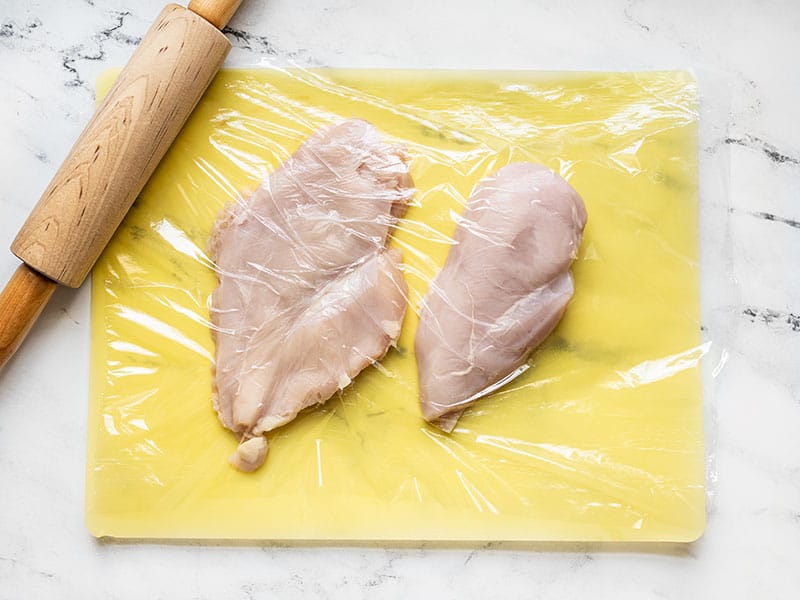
x: 600, y: 439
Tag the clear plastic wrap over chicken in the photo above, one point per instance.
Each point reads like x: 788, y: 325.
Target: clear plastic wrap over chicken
x: 308, y: 294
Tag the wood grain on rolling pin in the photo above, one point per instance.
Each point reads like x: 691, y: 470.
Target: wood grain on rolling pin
x: 121, y: 146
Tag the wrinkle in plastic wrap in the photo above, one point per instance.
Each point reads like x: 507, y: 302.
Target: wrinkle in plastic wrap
x: 600, y: 437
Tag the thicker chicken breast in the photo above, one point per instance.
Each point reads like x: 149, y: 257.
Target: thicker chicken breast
x: 503, y: 289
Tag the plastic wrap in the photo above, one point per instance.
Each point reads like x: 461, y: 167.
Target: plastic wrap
x: 597, y: 436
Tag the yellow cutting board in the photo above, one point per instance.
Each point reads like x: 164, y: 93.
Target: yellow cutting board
x: 600, y: 439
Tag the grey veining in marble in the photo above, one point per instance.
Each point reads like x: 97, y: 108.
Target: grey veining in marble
x: 51, y: 51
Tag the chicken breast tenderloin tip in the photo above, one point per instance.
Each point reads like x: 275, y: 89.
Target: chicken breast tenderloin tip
x: 308, y: 293
x: 503, y: 289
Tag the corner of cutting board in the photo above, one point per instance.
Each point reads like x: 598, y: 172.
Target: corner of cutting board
x: 104, y: 82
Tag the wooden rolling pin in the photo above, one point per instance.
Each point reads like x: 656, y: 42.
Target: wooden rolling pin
x: 113, y: 159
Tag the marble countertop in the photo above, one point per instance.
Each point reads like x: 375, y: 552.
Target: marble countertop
x: 50, y: 55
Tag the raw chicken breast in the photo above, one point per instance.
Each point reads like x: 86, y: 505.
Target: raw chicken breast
x: 308, y: 294
x: 503, y: 289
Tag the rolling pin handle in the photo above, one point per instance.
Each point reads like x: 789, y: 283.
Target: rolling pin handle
x: 21, y: 302
x: 216, y: 12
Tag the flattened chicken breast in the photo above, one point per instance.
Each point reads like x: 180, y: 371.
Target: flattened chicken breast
x: 308, y: 294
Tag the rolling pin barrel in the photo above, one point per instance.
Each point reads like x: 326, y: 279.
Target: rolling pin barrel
x: 122, y: 144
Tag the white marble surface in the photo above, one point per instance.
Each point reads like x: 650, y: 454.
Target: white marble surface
x: 50, y: 53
